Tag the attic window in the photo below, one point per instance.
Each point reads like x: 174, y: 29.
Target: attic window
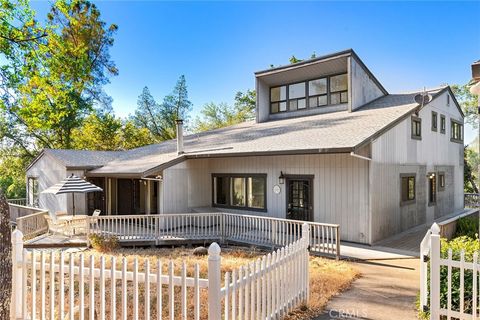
x: 338, y: 89
x: 448, y: 100
x: 416, y: 128
x: 278, y: 98
x: 309, y: 94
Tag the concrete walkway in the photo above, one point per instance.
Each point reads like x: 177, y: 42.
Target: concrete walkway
x: 387, y: 289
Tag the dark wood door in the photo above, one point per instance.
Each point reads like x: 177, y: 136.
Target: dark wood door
x: 299, y: 199
x: 96, y: 200
x: 125, y: 196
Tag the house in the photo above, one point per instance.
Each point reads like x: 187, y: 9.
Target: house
x: 329, y: 144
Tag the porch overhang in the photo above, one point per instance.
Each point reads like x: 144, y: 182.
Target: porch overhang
x: 205, y: 155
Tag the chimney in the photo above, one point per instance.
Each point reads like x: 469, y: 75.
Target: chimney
x: 179, y: 136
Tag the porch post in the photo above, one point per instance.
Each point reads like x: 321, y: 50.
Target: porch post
x: 17, y: 274
x: 160, y: 197
x: 109, y: 200
x: 147, y: 198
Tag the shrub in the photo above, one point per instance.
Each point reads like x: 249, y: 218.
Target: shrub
x: 467, y: 226
x: 469, y: 246
x: 104, y: 243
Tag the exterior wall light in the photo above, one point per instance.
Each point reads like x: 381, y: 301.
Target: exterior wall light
x: 281, y: 179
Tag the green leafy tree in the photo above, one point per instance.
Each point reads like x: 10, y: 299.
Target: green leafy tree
x: 468, y: 102
x: 159, y: 119
x: 133, y: 136
x: 214, y: 116
x: 470, y: 170
x: 98, y: 132
x: 52, y: 75
x: 176, y: 106
x: 294, y: 59
x: 149, y: 115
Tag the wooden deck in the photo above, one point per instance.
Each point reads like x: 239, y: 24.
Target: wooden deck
x: 407, y: 243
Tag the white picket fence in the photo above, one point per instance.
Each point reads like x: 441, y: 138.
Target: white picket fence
x: 441, y: 270
x: 46, y: 286
x: 323, y: 238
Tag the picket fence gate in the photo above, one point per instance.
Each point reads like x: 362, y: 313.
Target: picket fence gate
x: 45, y: 286
x: 455, y: 299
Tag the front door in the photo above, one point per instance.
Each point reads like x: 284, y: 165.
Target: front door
x: 299, y: 199
x: 125, y: 196
x: 96, y: 200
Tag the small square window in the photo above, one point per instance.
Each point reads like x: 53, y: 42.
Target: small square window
x: 443, y: 124
x: 441, y: 181
x: 301, y: 104
x: 434, y: 121
x: 274, y: 107
x: 407, y: 188
x: 335, y: 98
x: 416, y: 128
x: 283, y: 106
x: 313, y: 102
x: 293, y: 105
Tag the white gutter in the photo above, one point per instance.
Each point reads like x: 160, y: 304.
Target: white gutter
x: 353, y: 154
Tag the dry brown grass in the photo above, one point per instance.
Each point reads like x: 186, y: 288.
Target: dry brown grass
x: 327, y: 277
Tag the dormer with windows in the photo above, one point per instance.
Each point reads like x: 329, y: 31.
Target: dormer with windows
x: 337, y: 82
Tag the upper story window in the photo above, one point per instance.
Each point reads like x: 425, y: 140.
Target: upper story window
x: 434, y: 121
x: 443, y: 123
x: 317, y: 92
x: 448, y: 100
x: 278, y: 98
x: 309, y: 94
x: 338, y: 89
x: 296, y: 96
x: 456, y: 131
x: 416, y: 128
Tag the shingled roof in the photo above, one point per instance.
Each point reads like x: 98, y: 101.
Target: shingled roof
x: 341, y: 131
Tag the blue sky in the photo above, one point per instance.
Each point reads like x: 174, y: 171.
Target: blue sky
x: 219, y: 45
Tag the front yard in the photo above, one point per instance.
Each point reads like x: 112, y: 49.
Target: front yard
x: 327, y: 277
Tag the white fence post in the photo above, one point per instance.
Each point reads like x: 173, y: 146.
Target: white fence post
x: 306, y: 239
x: 214, y: 282
x: 17, y: 274
x: 435, y: 272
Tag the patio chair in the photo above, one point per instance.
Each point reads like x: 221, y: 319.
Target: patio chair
x: 94, y: 221
x: 55, y: 225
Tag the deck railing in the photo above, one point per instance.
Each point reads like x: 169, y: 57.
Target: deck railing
x: 19, y: 210
x: 19, y: 201
x: 33, y: 224
x: 265, y: 231
x: 471, y: 200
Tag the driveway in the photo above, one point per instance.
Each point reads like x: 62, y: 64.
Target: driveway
x: 387, y: 289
